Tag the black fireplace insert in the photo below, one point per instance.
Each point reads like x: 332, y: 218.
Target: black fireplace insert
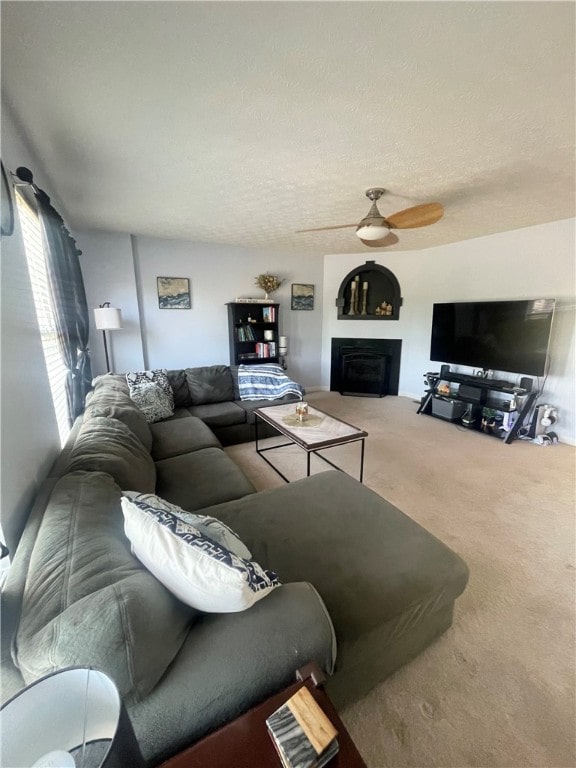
x: 365, y: 367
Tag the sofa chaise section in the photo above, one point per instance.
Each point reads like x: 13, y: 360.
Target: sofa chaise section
x: 388, y: 584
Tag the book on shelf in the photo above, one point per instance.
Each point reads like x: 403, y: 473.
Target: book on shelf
x: 262, y: 349
x: 253, y: 301
x: 269, y: 314
x: 302, y: 733
x: 245, y: 333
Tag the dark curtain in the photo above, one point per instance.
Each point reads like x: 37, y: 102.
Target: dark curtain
x: 68, y: 295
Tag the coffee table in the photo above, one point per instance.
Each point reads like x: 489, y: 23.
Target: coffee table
x: 317, y: 433
x: 245, y: 743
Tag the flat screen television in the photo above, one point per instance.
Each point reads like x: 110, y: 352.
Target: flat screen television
x: 499, y: 335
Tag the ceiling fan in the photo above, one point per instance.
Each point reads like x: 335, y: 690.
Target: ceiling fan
x: 374, y: 229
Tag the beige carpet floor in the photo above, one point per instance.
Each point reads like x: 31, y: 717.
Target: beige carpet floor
x: 498, y: 689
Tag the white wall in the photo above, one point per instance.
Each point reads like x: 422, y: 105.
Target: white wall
x: 123, y: 270
x: 29, y: 431
x: 525, y: 263
x: 108, y: 270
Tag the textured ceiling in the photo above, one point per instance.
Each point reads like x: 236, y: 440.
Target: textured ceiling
x: 241, y: 122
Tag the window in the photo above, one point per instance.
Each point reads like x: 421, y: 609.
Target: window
x: 37, y: 268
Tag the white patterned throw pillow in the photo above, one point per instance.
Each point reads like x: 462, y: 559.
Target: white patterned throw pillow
x: 156, y: 376
x: 152, y: 401
x: 209, y: 526
x: 198, y: 570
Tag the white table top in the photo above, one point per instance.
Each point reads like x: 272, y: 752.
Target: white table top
x: 319, y: 430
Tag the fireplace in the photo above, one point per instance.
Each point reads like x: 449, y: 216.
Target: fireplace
x: 365, y: 367
x: 363, y: 373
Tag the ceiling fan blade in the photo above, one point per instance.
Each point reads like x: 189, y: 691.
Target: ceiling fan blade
x: 418, y: 216
x: 390, y: 239
x: 324, y: 229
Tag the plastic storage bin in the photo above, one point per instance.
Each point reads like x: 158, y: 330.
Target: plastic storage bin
x: 450, y: 410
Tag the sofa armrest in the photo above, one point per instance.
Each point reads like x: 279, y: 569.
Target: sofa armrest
x: 229, y: 663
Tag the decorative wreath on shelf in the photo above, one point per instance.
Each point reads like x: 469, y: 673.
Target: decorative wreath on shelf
x: 269, y: 283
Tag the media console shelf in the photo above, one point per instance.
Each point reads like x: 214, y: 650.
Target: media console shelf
x: 477, y: 402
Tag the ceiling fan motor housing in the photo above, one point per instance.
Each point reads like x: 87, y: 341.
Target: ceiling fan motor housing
x: 373, y: 226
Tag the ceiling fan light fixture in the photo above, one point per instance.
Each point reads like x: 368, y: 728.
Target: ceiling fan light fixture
x: 372, y: 231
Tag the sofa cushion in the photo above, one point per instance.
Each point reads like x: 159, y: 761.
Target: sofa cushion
x: 199, y: 479
x: 88, y: 601
x: 179, y: 384
x: 207, y: 525
x: 249, y: 406
x: 198, y: 570
x: 219, y: 414
x: 179, y: 413
x: 210, y: 384
x: 107, y: 445
x: 110, y: 399
x: 181, y: 435
x: 156, y: 376
x: 152, y: 401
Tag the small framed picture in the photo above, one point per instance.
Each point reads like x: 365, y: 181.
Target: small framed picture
x: 302, y: 296
x: 173, y: 292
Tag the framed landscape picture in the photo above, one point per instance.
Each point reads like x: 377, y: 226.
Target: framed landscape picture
x: 302, y: 296
x: 173, y: 292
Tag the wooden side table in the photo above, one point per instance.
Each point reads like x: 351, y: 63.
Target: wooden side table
x: 245, y: 743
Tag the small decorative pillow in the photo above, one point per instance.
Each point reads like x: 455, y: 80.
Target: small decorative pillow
x: 198, y: 570
x: 208, y: 526
x: 157, y: 376
x: 152, y: 401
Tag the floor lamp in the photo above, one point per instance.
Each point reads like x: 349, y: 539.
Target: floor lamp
x: 107, y: 319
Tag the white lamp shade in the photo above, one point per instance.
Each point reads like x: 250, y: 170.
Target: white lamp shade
x: 67, y: 711
x: 108, y: 318
x: 372, y: 232
x: 283, y: 345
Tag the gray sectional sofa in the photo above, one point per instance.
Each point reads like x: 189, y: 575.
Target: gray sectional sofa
x: 364, y: 588
x: 211, y: 393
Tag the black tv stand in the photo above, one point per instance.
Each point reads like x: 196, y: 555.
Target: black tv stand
x: 481, y: 382
x: 474, y: 393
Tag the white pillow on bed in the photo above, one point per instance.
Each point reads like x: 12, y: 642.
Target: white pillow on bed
x: 195, y: 567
